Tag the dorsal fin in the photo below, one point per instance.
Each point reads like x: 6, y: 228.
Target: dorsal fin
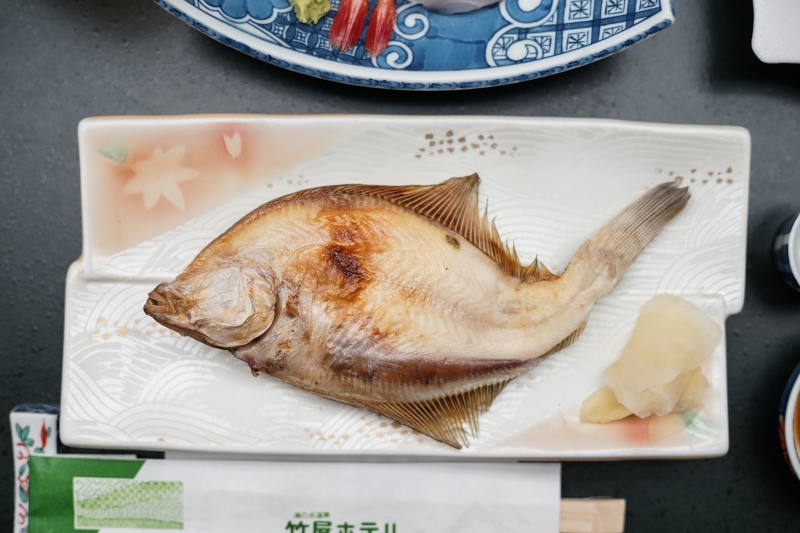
x: 454, y: 205
x: 442, y: 418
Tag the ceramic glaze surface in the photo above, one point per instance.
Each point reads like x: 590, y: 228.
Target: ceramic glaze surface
x: 508, y: 42
x: 775, y: 35
x: 155, y: 191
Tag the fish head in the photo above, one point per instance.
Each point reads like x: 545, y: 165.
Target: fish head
x: 223, y: 307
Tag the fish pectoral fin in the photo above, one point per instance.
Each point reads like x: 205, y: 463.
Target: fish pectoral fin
x: 442, y: 418
x: 568, y: 340
x: 454, y: 205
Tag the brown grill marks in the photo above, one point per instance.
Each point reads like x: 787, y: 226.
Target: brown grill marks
x: 341, y: 274
x: 353, y: 238
x: 347, y: 264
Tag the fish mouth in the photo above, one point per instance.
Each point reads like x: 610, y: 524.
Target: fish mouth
x: 162, y: 308
x: 159, y: 305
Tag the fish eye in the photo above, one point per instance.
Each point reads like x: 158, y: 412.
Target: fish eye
x: 153, y: 301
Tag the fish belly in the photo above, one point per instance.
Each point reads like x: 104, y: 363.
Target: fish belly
x: 390, y: 306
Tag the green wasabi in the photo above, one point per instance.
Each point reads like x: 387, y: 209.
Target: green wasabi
x: 310, y: 11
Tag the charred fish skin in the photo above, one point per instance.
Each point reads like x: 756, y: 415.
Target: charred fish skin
x: 324, y: 290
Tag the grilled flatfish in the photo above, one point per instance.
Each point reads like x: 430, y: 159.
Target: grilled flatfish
x: 401, y: 300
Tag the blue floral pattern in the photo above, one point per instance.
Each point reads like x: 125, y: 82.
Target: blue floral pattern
x: 242, y: 9
x: 511, y: 33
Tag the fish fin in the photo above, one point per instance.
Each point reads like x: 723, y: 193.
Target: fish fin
x: 568, y: 340
x: 442, y: 418
x: 627, y: 235
x: 454, y: 205
x: 536, y: 271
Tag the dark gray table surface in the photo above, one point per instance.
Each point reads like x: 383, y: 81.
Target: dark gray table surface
x: 63, y: 60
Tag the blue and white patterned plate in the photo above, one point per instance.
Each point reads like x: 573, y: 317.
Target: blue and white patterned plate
x: 513, y: 41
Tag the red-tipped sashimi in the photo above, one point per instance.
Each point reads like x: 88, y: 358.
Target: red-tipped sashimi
x: 348, y: 23
x: 381, y: 26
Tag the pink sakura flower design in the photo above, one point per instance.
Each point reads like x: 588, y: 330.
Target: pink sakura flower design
x: 159, y: 176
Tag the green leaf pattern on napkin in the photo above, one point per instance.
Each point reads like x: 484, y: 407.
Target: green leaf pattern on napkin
x: 127, y: 503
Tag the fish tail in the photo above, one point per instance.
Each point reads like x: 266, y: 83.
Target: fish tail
x: 623, y: 239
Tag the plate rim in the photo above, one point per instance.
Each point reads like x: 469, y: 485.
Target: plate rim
x: 410, y: 80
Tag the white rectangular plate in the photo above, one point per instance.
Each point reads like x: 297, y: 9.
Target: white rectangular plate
x: 156, y: 190
x: 775, y: 35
